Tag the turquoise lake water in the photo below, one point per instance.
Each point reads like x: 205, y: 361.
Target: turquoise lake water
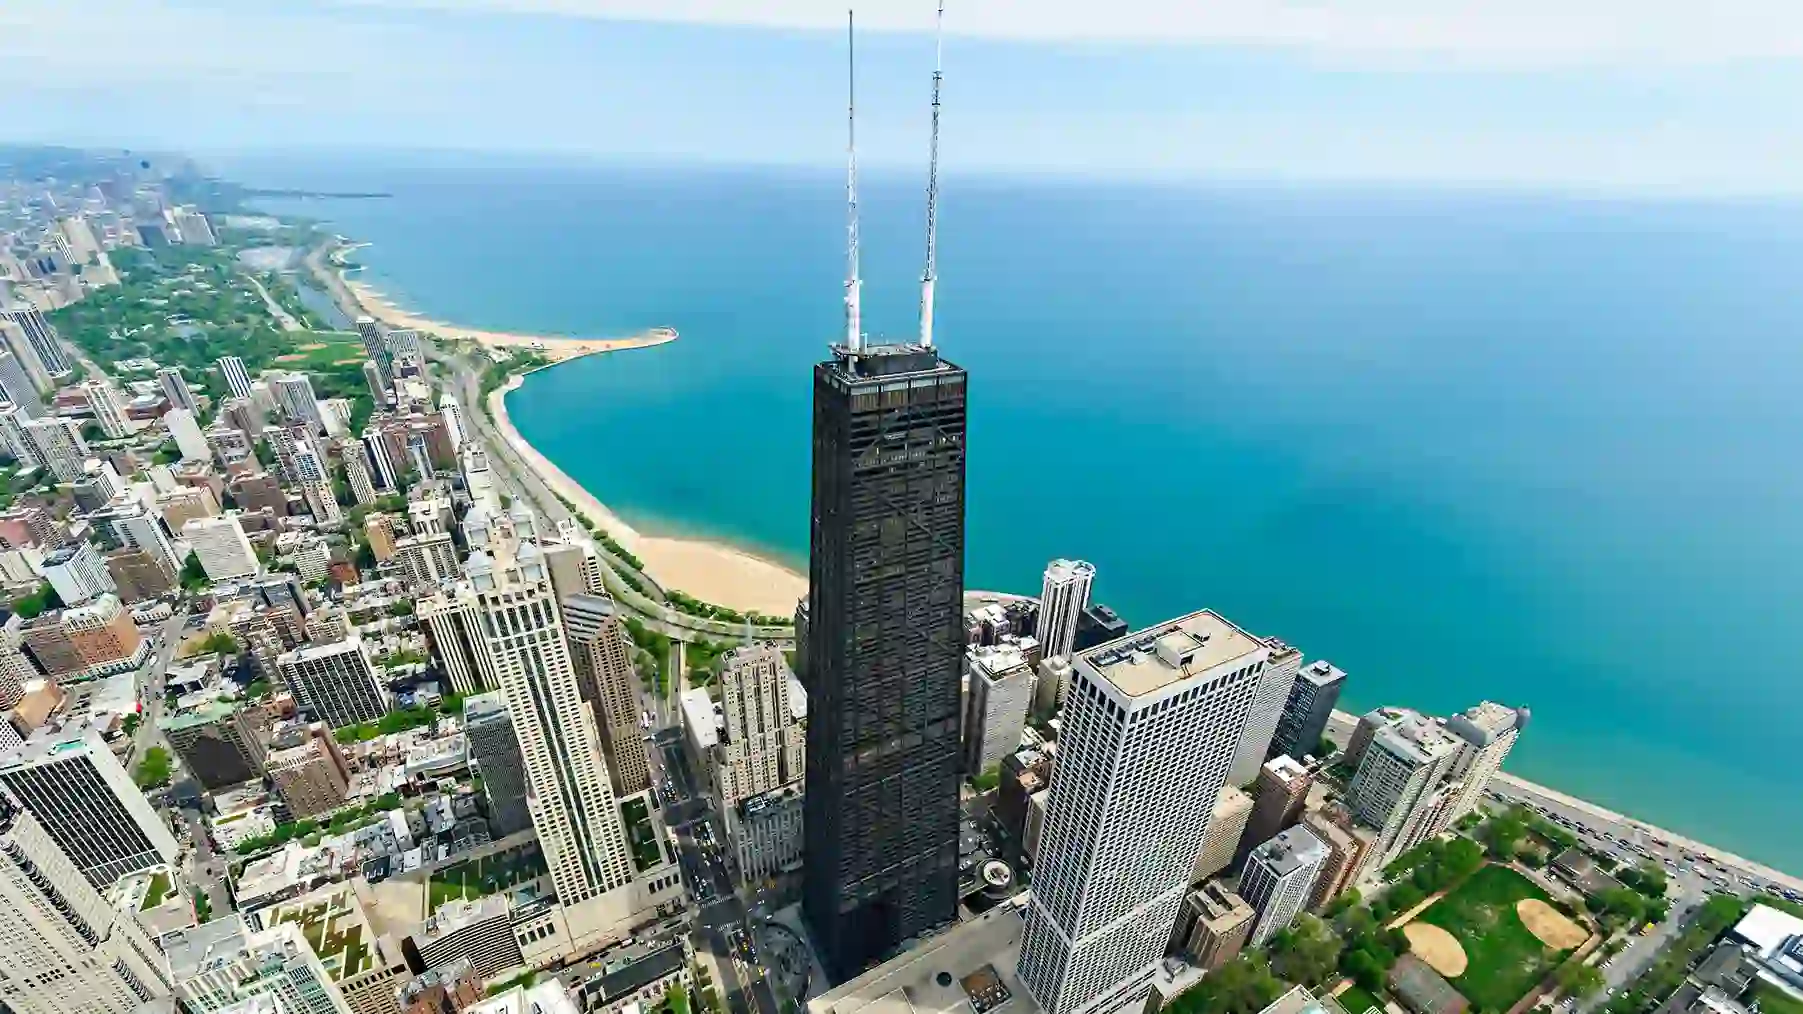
x: 1537, y: 449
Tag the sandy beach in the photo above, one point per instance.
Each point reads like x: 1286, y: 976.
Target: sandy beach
x: 710, y: 571
x: 557, y: 348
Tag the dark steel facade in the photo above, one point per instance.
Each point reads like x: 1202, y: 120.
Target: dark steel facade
x: 884, y: 649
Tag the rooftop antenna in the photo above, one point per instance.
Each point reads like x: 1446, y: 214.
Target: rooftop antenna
x: 854, y: 337
x: 931, y: 275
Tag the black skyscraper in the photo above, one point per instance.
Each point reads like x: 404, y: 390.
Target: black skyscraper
x: 885, y: 639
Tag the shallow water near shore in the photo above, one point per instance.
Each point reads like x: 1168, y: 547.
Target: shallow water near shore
x: 1532, y: 448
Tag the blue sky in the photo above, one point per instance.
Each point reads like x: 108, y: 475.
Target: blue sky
x: 1608, y: 94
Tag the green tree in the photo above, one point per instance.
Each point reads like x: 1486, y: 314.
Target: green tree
x: 1244, y: 985
x: 220, y: 642
x: 1580, y: 980
x: 38, y: 602
x: 194, y: 576
x: 154, y: 769
x: 1306, y: 951
x: 1365, y: 968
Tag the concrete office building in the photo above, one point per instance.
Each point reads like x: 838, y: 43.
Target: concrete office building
x: 18, y: 442
x: 1278, y: 795
x: 104, y: 637
x: 108, y: 411
x: 1226, y: 829
x: 334, y: 683
x: 59, y: 446
x: 381, y: 460
x: 1151, y: 723
x: 175, y: 388
x: 237, y: 378
x: 18, y: 388
x: 451, y: 616
x: 479, y: 932
x: 224, y: 551
x: 1267, y: 711
x: 83, y: 798
x: 187, y: 435
x: 767, y: 832
x: 1400, y: 780
x: 42, y: 338
x: 601, y: 652
x: 133, y: 525
x: 1063, y: 596
x: 1048, y: 689
x: 1280, y: 878
x: 219, y: 742
x: 1214, y: 926
x: 294, y: 393
x: 1347, y: 845
x: 307, y: 769
x: 356, y: 471
x: 494, y: 753
x: 1000, y: 693
x: 762, y: 746
x: 20, y: 348
x: 225, y: 966
x: 452, y: 411
x: 570, y: 794
x: 78, y: 574
x: 1305, y: 715
x: 68, y: 950
x: 316, y: 483
x: 428, y: 559
x: 137, y: 575
x: 886, y: 559
x: 375, y: 346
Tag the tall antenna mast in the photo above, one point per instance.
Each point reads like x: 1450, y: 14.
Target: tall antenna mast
x: 854, y: 337
x: 931, y: 275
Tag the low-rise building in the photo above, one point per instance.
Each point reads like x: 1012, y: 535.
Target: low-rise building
x: 1213, y: 927
x: 308, y: 770
x: 479, y: 932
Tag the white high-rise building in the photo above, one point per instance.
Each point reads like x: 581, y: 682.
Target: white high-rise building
x: 1487, y: 733
x: 68, y: 950
x: 41, y: 336
x: 21, y: 348
x: 188, y: 437
x: 103, y: 401
x: 453, y: 419
x: 356, y: 471
x: 1400, y: 786
x: 569, y: 791
x: 294, y: 393
x: 1267, y: 710
x: 316, y: 482
x: 478, y: 478
x: 428, y: 559
x: 1151, y: 723
x: 262, y: 398
x: 224, y: 551
x: 1279, y: 877
x: 78, y: 574
x: 17, y: 386
x: 83, y: 798
x: 1000, y: 691
x: 1062, y: 599
x: 192, y: 226
x: 59, y: 445
x: 237, y: 378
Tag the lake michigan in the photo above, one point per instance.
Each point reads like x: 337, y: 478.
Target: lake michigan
x: 1539, y: 449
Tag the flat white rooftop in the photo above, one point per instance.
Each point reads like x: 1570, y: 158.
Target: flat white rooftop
x: 1149, y: 660
x: 969, y: 968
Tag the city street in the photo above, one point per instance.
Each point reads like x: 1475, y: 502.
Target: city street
x: 151, y: 690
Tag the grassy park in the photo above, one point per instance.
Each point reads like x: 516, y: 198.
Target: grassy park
x: 1503, y: 958
x: 485, y: 875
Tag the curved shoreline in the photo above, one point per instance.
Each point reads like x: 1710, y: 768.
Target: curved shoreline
x: 712, y: 571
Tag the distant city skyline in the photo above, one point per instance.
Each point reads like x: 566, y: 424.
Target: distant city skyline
x: 1531, y: 94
